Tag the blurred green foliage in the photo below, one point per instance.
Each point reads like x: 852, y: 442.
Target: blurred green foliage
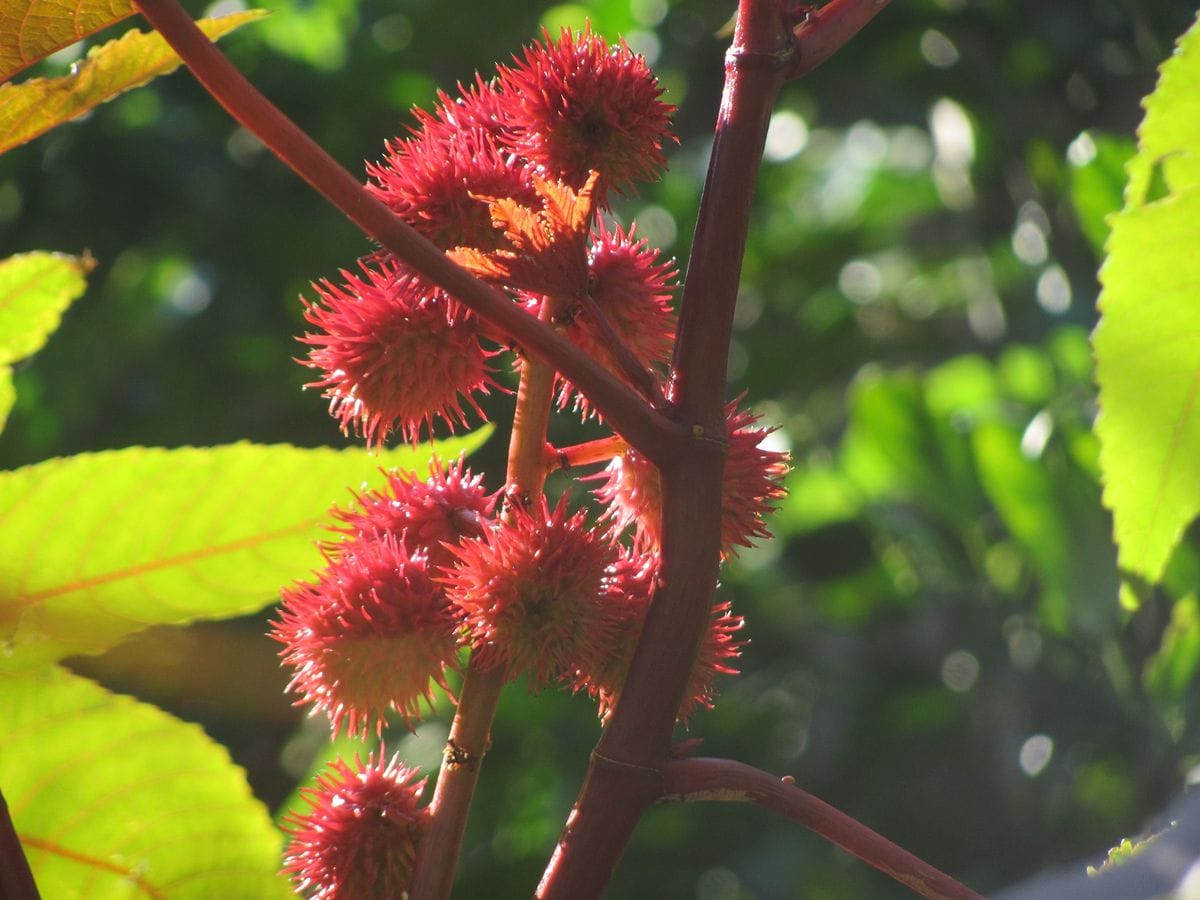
x: 936, y: 644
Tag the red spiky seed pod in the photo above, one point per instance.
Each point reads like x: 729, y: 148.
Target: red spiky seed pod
x: 530, y: 593
x: 432, y: 180
x: 372, y: 632
x: 478, y: 106
x: 631, y: 288
x: 752, y: 482
x: 576, y: 105
x: 427, y: 515
x: 393, y: 352
x: 629, y: 588
x: 359, y: 837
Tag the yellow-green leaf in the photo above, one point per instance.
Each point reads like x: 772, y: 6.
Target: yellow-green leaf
x: 33, y: 107
x: 35, y: 289
x: 31, y: 30
x: 100, y: 545
x: 1147, y: 344
x: 112, y: 798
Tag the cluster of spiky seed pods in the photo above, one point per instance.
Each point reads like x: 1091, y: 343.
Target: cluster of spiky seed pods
x: 513, y: 180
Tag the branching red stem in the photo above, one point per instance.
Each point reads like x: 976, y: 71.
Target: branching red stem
x: 691, y: 780
x: 826, y: 29
x: 637, y: 374
x: 624, y: 778
x: 438, y: 851
x: 651, y: 432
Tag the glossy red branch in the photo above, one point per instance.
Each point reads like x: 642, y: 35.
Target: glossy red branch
x: 692, y: 780
x: 650, y: 432
x: 825, y: 29
x: 624, y: 778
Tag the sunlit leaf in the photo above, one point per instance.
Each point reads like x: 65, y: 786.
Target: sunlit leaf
x: 35, y: 289
x: 31, y: 30
x: 115, y: 798
x: 36, y: 105
x: 1147, y: 346
x: 100, y: 545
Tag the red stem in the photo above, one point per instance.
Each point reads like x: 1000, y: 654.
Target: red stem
x: 652, y: 433
x: 637, y: 374
x: 16, y: 880
x: 626, y: 770
x: 437, y: 856
x: 625, y: 775
x: 441, y: 843
x: 691, y: 780
x: 823, y: 31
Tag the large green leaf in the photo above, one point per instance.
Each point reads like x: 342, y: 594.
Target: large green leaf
x: 115, y: 798
x: 98, y: 546
x: 1148, y: 341
x: 35, y: 289
x: 30, y: 30
x: 34, y: 106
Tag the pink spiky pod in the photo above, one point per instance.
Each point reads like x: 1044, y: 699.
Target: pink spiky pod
x: 478, y: 106
x: 394, y: 353
x: 372, y: 633
x: 631, y: 288
x: 359, y: 836
x: 629, y: 587
x: 530, y: 592
x: 753, y: 480
x: 432, y: 179
x: 428, y: 516
x: 576, y: 105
